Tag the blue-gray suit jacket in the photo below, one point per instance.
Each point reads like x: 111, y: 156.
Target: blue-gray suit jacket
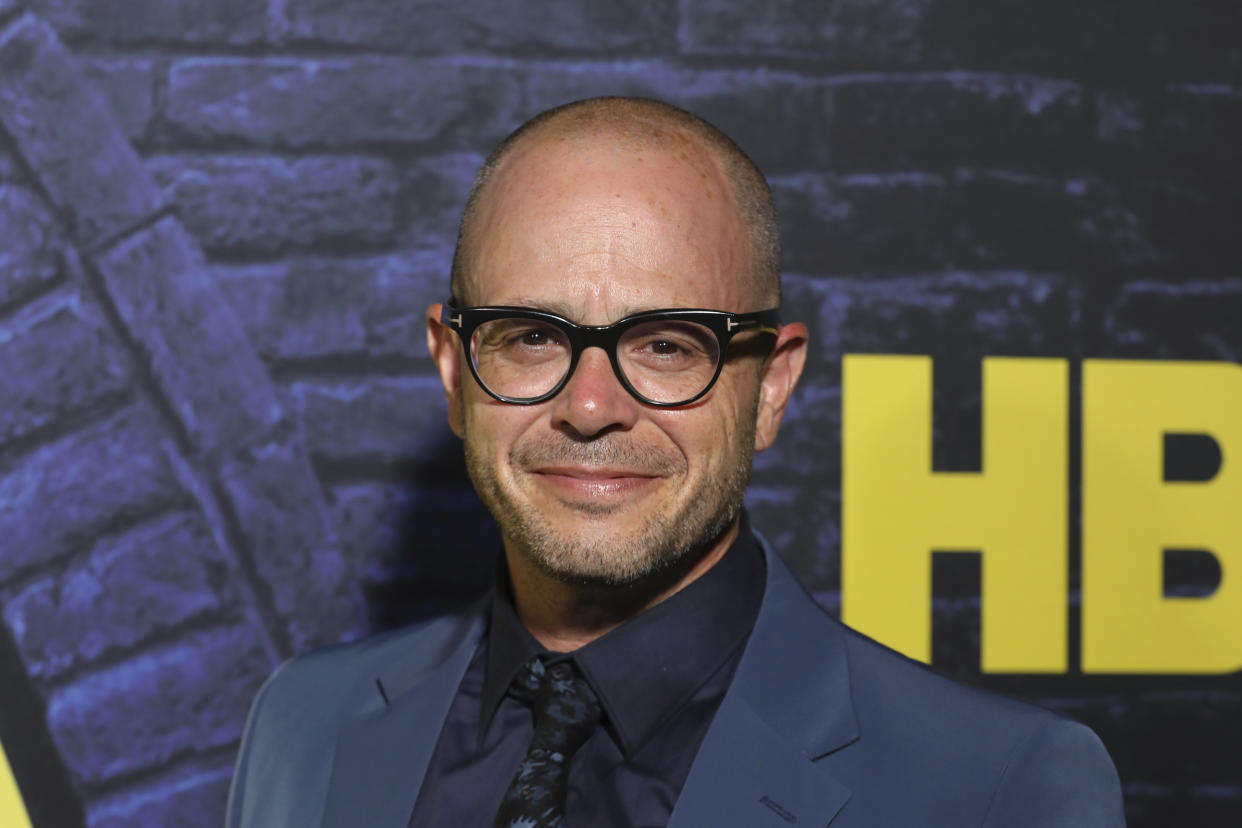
x: 821, y: 727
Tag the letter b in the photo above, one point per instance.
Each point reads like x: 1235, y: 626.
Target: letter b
x: 1130, y: 515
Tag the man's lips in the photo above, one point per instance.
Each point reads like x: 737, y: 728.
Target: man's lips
x: 591, y: 472
x: 594, y: 481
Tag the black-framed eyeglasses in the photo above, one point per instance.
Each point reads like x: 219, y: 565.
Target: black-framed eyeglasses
x: 664, y: 358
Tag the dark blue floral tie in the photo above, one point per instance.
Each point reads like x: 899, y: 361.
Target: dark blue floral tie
x: 566, y: 711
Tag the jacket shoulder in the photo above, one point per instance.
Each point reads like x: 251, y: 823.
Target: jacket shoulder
x: 968, y: 755
x: 291, y: 731
x: 340, y: 672
x: 882, y: 678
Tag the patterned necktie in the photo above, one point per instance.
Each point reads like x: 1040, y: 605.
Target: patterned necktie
x: 566, y: 711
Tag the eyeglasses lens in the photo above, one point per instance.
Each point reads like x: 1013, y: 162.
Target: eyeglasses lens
x: 665, y: 361
x: 520, y: 358
x: 668, y: 361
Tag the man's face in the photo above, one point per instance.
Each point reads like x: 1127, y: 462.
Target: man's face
x: 594, y: 486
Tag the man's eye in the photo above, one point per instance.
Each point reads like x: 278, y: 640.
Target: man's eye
x: 667, y: 351
x: 531, y: 338
x: 664, y: 347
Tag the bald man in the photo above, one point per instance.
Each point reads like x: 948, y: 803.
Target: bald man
x: 612, y: 356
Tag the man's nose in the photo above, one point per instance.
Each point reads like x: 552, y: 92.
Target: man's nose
x: 594, y: 401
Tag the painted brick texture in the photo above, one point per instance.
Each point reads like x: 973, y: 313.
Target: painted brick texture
x: 327, y: 310
x: 344, y: 102
x: 222, y: 442
x: 28, y: 261
x: 543, y: 27
x: 68, y: 135
x: 254, y: 206
x: 71, y: 490
x: 58, y: 358
x: 232, y: 22
x: 185, y: 698
x: 129, y: 589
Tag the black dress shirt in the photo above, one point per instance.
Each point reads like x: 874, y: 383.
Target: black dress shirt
x: 659, y: 677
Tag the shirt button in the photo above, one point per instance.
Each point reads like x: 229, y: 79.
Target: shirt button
x: 560, y: 671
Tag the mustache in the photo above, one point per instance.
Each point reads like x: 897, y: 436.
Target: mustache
x: 606, y: 452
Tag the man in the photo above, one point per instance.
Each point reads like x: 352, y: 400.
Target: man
x: 612, y: 358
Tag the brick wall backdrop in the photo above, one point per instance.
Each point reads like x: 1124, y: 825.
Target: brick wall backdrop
x: 222, y: 443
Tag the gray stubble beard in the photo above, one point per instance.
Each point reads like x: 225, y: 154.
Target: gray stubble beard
x: 664, y: 543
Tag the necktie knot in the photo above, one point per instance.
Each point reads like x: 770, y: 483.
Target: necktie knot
x: 565, y: 708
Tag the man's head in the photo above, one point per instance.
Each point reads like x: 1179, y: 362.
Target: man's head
x: 596, y: 211
x: 638, y: 123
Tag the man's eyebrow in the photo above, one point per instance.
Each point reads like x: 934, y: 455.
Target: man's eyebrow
x: 560, y: 308
x: 551, y: 306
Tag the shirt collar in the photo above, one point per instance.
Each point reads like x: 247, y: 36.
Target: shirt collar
x: 647, y: 669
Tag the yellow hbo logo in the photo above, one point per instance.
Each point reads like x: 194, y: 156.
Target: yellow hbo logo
x: 895, y: 511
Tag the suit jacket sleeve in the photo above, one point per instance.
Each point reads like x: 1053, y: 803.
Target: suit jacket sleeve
x: 1059, y: 777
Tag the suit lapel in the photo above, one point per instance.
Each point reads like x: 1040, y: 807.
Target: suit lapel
x: 382, y: 751
x: 789, y: 704
x: 748, y: 775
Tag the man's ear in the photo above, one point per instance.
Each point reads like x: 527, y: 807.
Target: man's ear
x: 781, y: 371
x: 445, y: 349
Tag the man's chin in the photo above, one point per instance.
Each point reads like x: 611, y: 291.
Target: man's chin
x: 617, y: 573
x: 597, y: 546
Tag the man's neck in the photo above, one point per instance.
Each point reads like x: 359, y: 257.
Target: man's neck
x: 564, y: 617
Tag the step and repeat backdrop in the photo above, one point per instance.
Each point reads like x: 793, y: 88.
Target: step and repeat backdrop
x: 1011, y: 228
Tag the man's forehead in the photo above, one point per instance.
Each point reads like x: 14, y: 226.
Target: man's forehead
x: 651, y: 225
x: 601, y: 155
x: 683, y: 186
x: 541, y: 155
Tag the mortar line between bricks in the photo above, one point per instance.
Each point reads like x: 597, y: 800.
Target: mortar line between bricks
x: 109, y: 806
x: 22, y: 578
x: 102, y: 246
x: 144, y: 378
x: 229, y: 149
x: 9, y: 310
x: 799, y: 69
x: 949, y: 175
x: 319, y: 50
x: 168, y: 636
x: 65, y: 425
x: 188, y: 149
x: 228, y: 541
x: 175, y: 764
x: 9, y: 17
x: 802, y: 69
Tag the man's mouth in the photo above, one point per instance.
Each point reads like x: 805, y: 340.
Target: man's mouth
x: 595, y: 481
